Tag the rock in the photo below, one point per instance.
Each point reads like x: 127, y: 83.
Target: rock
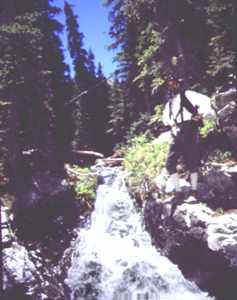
x: 7, y: 234
x: 227, y: 110
x: 219, y: 232
x: 19, y: 268
x: 222, y: 237
x: 220, y: 100
x: 165, y: 185
x: 200, y: 241
x: 225, y: 105
x: 45, y: 205
x: 200, y: 237
x: 232, y: 171
x: 231, y: 134
x: 220, y: 181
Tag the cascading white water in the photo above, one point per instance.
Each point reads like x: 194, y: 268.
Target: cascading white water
x: 113, y: 259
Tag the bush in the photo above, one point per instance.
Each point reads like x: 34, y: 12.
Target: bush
x: 140, y: 126
x: 84, y: 183
x: 144, y: 160
x: 209, y: 126
x: 147, y: 124
x: 157, y: 117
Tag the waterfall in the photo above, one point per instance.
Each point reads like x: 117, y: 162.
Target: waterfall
x: 113, y: 257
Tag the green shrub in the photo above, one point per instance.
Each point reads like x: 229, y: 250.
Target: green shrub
x: 140, y: 126
x: 144, y: 160
x: 147, y: 124
x: 84, y: 183
x: 209, y: 126
x: 157, y: 116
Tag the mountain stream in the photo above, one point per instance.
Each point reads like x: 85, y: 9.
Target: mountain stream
x: 113, y: 257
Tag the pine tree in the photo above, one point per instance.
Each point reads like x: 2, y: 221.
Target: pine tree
x: 33, y: 81
x: 172, y: 29
x: 158, y: 40
x: 79, y: 59
x: 116, y: 126
x: 16, y: 79
x: 19, y: 54
x: 76, y: 48
x: 91, y: 65
x: 125, y: 34
x: 221, y: 19
x: 85, y: 80
x: 59, y: 80
x: 102, y: 140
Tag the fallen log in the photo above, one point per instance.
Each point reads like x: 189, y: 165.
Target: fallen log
x: 70, y: 170
x: 89, y: 153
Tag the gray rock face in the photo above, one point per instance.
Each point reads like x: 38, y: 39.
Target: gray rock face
x: 17, y: 266
x: 225, y: 105
x: 222, y: 236
x: 45, y: 206
x: 218, y: 232
x: 218, y: 189
x: 222, y: 99
x: 200, y: 238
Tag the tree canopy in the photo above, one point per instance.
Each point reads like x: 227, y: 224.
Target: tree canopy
x: 155, y: 40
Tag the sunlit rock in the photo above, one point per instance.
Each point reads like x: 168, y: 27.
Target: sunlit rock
x: 203, y: 242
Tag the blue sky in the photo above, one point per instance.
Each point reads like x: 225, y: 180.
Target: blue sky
x: 94, y: 23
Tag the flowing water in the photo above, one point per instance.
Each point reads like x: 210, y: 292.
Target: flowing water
x: 113, y: 258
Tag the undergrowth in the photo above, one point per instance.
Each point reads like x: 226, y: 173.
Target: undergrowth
x: 144, y: 160
x: 84, y: 183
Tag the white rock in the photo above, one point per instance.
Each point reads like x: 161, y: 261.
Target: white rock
x: 220, y: 231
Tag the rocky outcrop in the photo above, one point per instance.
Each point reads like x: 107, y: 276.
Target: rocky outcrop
x: 218, y: 185
x: 202, y: 243
x: 225, y: 105
x: 201, y: 236
x: 221, y: 100
x: 45, y: 206
x: 45, y: 215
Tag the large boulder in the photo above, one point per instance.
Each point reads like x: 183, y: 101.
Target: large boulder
x: 217, y: 187
x: 203, y: 243
x: 220, y: 100
x: 46, y: 207
x: 18, y: 267
x: 225, y: 105
x: 201, y: 236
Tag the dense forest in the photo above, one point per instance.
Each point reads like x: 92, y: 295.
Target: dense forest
x: 48, y: 114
